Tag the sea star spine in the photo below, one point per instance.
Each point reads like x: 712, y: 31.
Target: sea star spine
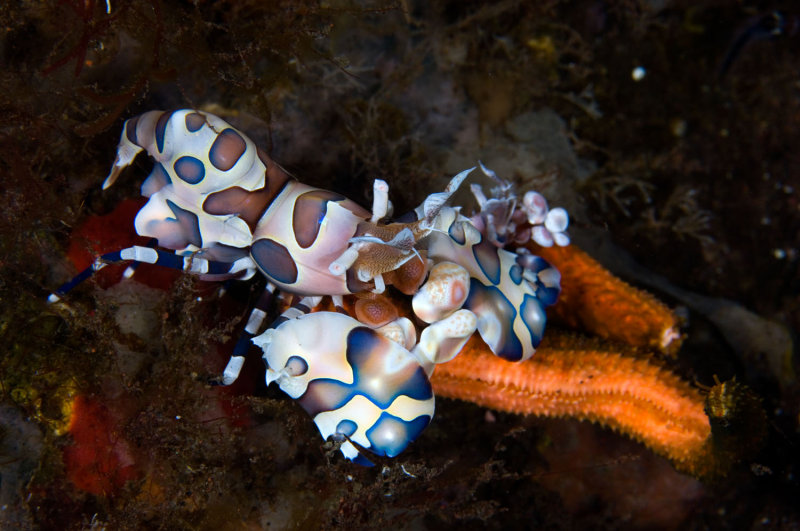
x: 594, y: 300
x: 578, y: 378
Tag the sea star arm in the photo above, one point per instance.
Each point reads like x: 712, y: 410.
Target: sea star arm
x: 583, y: 379
x: 595, y: 301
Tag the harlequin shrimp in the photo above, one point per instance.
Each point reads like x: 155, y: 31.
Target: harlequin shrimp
x: 220, y: 208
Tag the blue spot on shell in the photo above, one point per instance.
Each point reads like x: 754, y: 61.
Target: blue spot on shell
x: 548, y: 280
x: 346, y: 427
x: 496, y: 317
x: 390, y: 435
x: 456, y: 232
x: 515, y: 273
x: 548, y: 294
x: 486, y: 256
x: 190, y: 169
x: 532, y: 314
x: 296, y: 366
x: 536, y: 263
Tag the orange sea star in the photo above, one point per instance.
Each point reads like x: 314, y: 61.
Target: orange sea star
x: 595, y: 301
x: 611, y: 383
x: 571, y: 377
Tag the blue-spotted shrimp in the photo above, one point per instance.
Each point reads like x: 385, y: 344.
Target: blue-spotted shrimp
x: 220, y: 207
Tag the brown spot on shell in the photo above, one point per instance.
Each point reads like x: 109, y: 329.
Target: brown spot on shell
x: 226, y: 149
x: 130, y: 129
x: 309, y: 211
x: 274, y: 260
x: 249, y: 206
x: 194, y: 121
